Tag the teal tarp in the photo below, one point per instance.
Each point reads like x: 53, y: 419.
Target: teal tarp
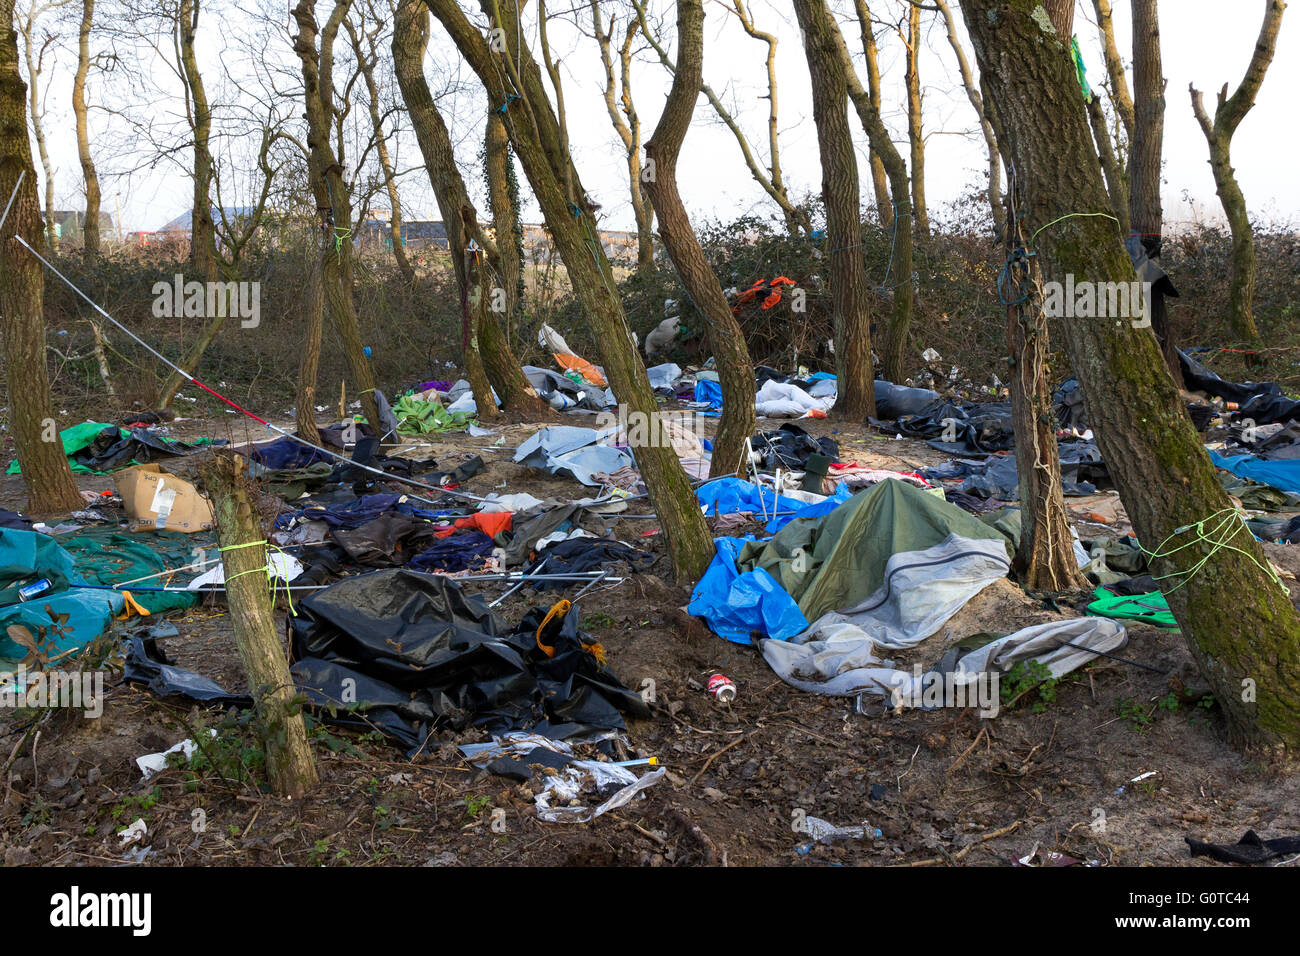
x: 29, y: 554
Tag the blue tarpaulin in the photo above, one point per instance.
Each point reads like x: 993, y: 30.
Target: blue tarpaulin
x: 732, y: 495
x: 842, y: 494
x: 737, y: 605
x: 1283, y: 474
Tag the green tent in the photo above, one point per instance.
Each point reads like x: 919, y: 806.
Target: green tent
x: 835, y: 562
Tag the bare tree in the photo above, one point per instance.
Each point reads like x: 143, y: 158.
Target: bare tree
x: 848, y: 275
x: 769, y: 179
x: 1114, y: 67
x: 901, y: 239
x: 514, y: 84
x: 726, y: 339
x: 977, y: 103
x: 90, y: 227
x: 1155, y: 456
x: 330, y: 189
x: 367, y: 56
x: 50, y: 486
x: 879, y: 180
x: 1229, y: 113
x: 35, y: 48
x: 485, y: 292
x: 627, y: 124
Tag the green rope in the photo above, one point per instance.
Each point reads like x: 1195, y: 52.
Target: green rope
x: 1231, y: 522
x: 271, y: 576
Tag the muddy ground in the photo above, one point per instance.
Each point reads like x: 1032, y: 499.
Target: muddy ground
x: 945, y: 787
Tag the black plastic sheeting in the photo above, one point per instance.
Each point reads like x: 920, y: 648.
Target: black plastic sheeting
x: 110, y: 451
x: 413, y: 655
x: 1198, y: 378
x: 1251, y: 848
x: 434, y: 657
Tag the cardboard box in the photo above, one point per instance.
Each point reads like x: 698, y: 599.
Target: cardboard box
x: 156, y: 500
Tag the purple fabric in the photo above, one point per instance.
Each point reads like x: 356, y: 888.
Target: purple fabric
x: 440, y: 386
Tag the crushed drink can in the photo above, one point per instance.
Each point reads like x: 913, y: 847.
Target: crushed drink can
x: 35, y: 589
x: 722, y: 689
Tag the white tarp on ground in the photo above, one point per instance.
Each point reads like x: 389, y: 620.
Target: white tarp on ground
x: 843, y: 663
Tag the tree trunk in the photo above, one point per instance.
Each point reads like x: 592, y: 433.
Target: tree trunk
x: 1227, y: 117
x: 915, y: 131
x: 1114, y: 67
x: 879, y: 182
x: 1115, y: 184
x: 503, y: 200
x: 328, y: 184
x: 309, y: 364
x: 1248, y: 646
x: 410, y: 39
x: 856, y: 400
x: 50, y: 486
x: 90, y: 228
x: 203, y: 235
x: 35, y: 62
x: 476, y: 307
x: 535, y: 135
x: 726, y: 339
x: 290, y: 767
x: 899, y: 287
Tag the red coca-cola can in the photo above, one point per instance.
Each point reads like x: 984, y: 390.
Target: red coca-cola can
x: 722, y: 689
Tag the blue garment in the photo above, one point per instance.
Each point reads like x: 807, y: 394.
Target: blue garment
x: 1282, y: 474
x: 731, y: 495
x: 738, y: 605
x: 709, y: 391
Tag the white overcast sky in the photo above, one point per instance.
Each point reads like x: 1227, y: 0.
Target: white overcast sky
x: 1208, y: 42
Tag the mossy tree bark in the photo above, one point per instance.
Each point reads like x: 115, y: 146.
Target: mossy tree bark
x: 726, y: 340
x: 1238, y: 621
x: 331, y: 189
x: 501, y: 369
x: 848, y: 275
x: 50, y: 486
x: 290, y: 766
x: 900, y: 293
x: 1229, y: 113
x: 503, y: 200
x: 535, y: 135
x: 1119, y: 93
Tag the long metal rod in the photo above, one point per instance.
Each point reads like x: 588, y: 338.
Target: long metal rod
x: 517, y: 586
x: 12, y: 196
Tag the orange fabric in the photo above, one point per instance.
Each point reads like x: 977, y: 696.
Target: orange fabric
x: 574, y: 363
x: 491, y: 523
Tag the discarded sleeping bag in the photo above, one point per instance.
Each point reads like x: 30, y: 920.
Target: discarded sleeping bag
x: 424, y: 656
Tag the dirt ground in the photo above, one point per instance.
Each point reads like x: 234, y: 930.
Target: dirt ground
x: 944, y: 787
